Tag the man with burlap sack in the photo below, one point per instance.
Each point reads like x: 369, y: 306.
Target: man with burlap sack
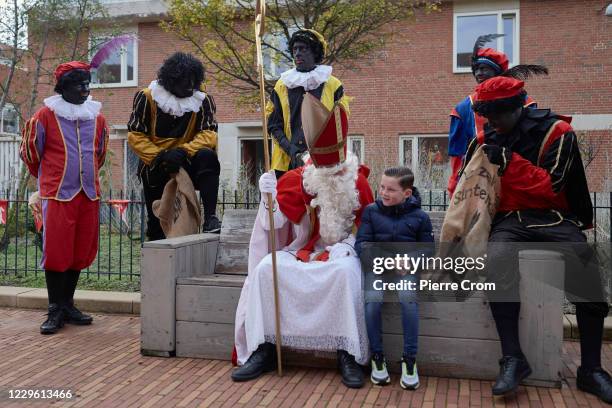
x: 543, y: 197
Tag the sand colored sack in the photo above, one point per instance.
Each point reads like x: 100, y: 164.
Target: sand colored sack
x: 467, y: 221
x: 179, y: 208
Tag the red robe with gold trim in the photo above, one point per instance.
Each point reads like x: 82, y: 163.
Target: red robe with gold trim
x: 321, y: 303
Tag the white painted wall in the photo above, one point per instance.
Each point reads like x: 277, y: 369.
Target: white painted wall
x: 228, y: 149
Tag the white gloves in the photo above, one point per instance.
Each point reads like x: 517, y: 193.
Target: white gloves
x: 267, y: 184
x: 343, y: 248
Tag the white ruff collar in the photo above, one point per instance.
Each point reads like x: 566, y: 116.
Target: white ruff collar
x: 85, y: 111
x: 172, y: 105
x: 308, y: 80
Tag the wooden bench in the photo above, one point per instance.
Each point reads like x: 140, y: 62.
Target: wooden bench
x: 191, y: 286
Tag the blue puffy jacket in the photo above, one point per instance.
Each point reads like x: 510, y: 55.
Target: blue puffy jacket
x: 405, y: 222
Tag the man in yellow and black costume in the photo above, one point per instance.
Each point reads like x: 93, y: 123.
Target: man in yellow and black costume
x: 173, y: 125
x: 308, y: 49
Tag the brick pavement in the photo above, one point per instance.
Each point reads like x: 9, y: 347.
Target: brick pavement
x: 102, y: 364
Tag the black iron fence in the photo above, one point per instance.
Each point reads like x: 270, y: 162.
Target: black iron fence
x: 120, y: 237
x: 123, y: 224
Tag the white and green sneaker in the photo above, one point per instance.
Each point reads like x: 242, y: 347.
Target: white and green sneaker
x: 380, y: 375
x: 410, y: 376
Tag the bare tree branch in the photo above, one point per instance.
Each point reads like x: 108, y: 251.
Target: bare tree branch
x: 223, y: 36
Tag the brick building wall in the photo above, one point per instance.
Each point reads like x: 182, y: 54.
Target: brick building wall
x: 409, y: 87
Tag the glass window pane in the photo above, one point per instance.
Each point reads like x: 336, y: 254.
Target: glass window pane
x: 509, y: 31
x: 433, y: 167
x: 10, y: 121
x: 130, y: 61
x: 355, y: 147
x: 275, y: 62
x: 407, y: 152
x: 468, y: 30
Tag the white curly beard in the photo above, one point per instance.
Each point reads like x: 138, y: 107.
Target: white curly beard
x: 335, y: 195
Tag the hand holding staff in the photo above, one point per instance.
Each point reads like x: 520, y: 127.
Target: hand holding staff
x: 259, y: 32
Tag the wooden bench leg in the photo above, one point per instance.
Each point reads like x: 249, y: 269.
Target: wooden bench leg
x: 157, y: 310
x: 541, y: 320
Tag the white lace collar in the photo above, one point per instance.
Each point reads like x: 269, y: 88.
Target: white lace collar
x: 85, y: 111
x: 172, y: 105
x: 308, y: 80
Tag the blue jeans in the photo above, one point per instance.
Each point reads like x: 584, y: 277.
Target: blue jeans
x: 410, y: 320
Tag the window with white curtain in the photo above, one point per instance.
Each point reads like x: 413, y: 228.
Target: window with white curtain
x: 120, y: 68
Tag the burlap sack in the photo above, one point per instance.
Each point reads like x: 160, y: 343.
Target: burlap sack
x: 467, y: 221
x: 179, y: 208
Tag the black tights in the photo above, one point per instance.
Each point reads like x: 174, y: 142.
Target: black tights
x: 590, y: 324
x: 61, y: 286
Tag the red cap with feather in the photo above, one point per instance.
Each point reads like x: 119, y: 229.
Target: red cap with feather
x: 70, y: 66
x: 488, y: 55
x: 102, y: 54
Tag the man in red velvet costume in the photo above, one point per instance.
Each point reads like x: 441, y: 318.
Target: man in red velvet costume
x: 317, y: 209
x: 64, y: 146
x: 544, y: 197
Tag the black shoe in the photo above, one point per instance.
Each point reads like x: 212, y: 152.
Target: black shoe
x: 261, y: 361
x: 55, y: 320
x: 212, y: 225
x: 512, y: 370
x: 352, y: 375
x: 595, y: 381
x: 73, y: 315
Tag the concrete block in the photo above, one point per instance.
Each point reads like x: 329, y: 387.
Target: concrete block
x: 33, y: 299
x: 8, y: 295
x: 105, y: 302
x: 136, y: 305
x: 86, y: 300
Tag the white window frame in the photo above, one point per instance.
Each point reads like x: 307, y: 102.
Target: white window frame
x: 361, y: 139
x: 124, y: 83
x: 8, y: 106
x: 500, y: 41
x: 415, y: 150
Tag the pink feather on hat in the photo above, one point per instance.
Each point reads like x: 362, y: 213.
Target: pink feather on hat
x: 109, y: 48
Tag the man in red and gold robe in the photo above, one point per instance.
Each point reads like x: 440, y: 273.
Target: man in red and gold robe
x: 317, y: 208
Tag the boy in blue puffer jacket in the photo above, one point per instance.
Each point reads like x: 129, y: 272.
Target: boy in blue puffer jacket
x: 396, y: 216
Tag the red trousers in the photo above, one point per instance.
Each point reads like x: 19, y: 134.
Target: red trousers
x: 70, y: 233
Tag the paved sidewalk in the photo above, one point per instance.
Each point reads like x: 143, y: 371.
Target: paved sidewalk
x: 102, y: 365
